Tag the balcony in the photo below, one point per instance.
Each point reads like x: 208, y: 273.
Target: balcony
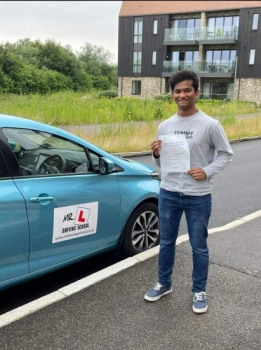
x: 211, y: 69
x: 218, y: 69
x: 205, y: 35
x: 181, y: 36
x: 218, y: 35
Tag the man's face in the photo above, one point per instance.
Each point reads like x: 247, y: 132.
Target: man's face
x: 185, y: 95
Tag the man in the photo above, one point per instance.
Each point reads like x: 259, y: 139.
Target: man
x: 188, y: 191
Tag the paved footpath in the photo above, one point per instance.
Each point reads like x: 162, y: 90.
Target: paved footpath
x: 107, y: 310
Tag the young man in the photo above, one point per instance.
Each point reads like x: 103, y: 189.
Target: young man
x: 188, y: 191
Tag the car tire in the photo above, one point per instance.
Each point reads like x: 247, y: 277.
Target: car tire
x: 142, y: 230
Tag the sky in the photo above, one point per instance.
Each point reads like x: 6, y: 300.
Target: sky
x: 66, y: 22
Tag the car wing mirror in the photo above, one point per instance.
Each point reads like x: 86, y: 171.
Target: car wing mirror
x: 106, y: 166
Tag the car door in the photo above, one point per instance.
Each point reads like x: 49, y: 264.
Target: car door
x: 14, y: 232
x: 72, y: 209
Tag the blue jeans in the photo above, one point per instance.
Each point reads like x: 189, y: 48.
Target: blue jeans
x: 197, y: 211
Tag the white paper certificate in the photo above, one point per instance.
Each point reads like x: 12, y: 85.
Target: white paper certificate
x: 174, y: 154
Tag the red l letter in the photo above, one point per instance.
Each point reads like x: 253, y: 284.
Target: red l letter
x: 81, y: 218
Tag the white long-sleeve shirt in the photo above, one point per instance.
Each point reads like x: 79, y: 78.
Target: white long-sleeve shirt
x: 209, y: 150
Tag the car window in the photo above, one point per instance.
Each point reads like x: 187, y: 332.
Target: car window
x: 40, y: 153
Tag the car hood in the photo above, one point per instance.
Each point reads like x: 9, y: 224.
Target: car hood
x: 145, y: 168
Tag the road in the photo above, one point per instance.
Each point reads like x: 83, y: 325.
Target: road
x: 236, y: 194
x: 237, y: 189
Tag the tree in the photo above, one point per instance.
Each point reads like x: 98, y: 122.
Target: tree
x: 6, y: 83
x: 98, y: 62
x: 25, y: 50
x: 36, y: 67
x: 93, y: 52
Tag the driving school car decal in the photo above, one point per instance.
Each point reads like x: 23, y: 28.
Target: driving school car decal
x: 74, y: 221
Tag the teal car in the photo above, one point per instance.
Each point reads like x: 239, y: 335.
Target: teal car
x: 63, y: 199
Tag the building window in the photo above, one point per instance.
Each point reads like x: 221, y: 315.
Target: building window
x: 138, y: 24
x: 220, y: 55
x: 230, y: 21
x: 223, y: 27
x: 184, y: 59
x: 222, y: 61
x: 154, y: 58
x: 186, y: 29
x: 255, y: 21
x: 252, y: 56
x: 137, y: 62
x: 155, y: 26
x: 217, y: 91
x: 136, y: 87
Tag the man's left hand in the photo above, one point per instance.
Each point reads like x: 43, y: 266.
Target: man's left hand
x: 197, y: 173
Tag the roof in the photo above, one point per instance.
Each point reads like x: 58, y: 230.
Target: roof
x: 139, y: 8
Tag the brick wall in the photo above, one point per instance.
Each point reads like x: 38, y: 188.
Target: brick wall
x: 249, y: 89
x: 149, y: 86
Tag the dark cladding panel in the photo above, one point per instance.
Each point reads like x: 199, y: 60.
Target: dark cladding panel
x: 152, y: 42
x: 248, y: 39
x: 125, y: 46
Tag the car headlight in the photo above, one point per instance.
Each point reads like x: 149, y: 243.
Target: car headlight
x: 156, y: 175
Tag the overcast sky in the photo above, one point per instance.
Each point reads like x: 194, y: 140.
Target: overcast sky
x: 67, y: 22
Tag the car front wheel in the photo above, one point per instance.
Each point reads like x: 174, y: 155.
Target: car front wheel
x: 142, y: 230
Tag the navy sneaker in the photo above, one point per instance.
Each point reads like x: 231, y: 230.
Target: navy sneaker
x: 156, y: 292
x: 200, y: 302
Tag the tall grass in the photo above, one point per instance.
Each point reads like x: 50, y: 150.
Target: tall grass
x: 69, y: 108
x: 135, y: 138
x: 119, y: 132
x: 125, y: 138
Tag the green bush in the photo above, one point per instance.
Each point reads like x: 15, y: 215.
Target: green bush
x: 6, y: 83
x: 164, y: 97
x: 108, y: 94
x: 101, y: 82
x: 210, y: 101
x: 158, y: 112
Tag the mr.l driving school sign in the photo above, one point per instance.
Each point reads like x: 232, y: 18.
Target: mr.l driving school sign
x: 74, y: 221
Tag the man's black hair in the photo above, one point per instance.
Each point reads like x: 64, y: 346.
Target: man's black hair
x: 182, y: 75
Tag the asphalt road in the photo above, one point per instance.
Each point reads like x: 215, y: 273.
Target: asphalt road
x: 236, y: 194
x: 237, y: 189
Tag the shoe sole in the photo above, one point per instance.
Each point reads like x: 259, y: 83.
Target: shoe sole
x: 200, y: 311
x: 158, y: 297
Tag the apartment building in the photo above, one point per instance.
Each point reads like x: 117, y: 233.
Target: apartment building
x: 220, y: 40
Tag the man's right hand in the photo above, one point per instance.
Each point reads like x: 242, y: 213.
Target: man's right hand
x: 156, y: 146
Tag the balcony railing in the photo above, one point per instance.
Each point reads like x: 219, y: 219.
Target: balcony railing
x: 219, y: 33
x: 216, y: 67
x: 182, y: 34
x: 205, y: 33
x: 173, y: 67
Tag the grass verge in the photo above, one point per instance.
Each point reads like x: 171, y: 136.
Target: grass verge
x: 135, y: 138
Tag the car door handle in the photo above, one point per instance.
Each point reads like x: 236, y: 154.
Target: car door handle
x: 41, y: 199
